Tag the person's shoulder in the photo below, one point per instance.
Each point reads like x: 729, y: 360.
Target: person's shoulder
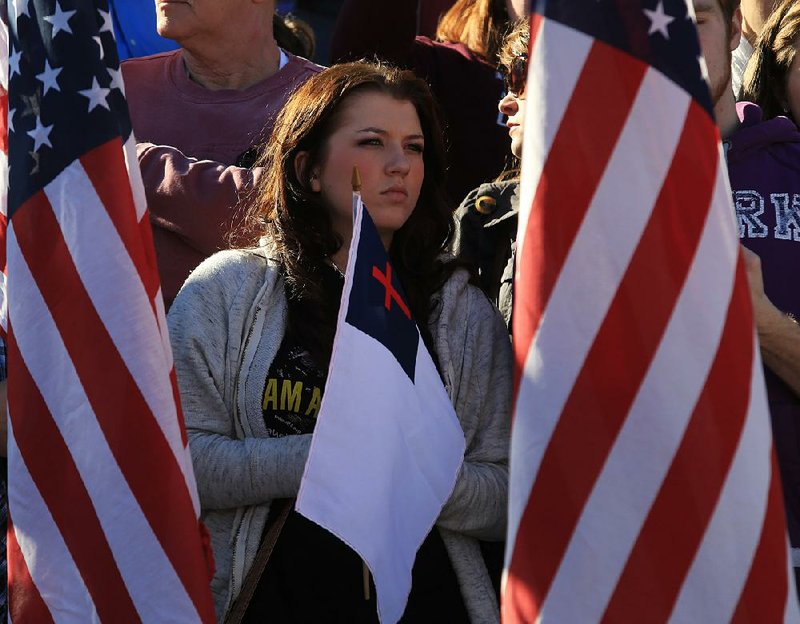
x: 222, y: 289
x: 424, y: 41
x: 757, y: 139
x: 489, y: 198
x: 463, y: 307
x: 144, y: 73
x: 253, y: 263
x: 226, y: 273
x: 496, y: 188
x: 444, y: 47
x: 144, y: 63
x: 446, y: 51
x: 294, y: 73
x: 752, y: 122
x: 299, y: 66
x: 459, y: 297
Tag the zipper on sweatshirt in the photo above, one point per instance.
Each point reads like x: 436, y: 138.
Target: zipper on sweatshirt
x: 236, y: 586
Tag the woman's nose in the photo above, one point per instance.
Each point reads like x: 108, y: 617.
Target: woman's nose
x: 398, y: 161
x: 508, y: 105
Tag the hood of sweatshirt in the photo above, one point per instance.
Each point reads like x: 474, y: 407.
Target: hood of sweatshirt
x: 755, y: 135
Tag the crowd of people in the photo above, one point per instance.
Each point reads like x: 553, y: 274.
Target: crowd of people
x: 246, y: 150
x: 255, y: 151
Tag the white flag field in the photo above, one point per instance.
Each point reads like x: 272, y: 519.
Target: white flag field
x: 381, y: 491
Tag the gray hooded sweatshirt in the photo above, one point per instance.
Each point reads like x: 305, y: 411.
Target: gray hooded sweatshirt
x: 226, y: 326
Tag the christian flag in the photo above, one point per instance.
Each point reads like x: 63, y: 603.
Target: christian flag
x: 101, y: 489
x: 381, y: 489
x: 643, y: 484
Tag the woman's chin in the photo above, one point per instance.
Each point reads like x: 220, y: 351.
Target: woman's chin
x: 516, y: 147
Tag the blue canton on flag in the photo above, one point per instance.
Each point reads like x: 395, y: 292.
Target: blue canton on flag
x: 663, y: 36
x: 377, y: 304
x: 66, y: 95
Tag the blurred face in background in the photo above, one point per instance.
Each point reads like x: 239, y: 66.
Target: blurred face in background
x: 513, y: 104
x: 516, y: 9
x: 718, y: 39
x: 793, y: 84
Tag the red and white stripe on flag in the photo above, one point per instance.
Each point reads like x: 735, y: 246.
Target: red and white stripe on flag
x: 643, y: 483
x: 102, y: 499
x: 3, y: 160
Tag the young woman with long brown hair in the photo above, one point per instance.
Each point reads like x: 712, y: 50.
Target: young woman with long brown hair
x: 249, y: 321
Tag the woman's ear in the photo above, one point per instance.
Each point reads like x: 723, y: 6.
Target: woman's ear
x: 306, y: 177
x: 736, y: 29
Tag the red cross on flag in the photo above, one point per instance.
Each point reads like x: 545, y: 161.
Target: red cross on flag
x: 391, y: 294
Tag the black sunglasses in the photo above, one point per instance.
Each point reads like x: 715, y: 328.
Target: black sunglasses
x: 516, y: 74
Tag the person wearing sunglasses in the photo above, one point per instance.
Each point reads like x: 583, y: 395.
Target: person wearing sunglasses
x: 486, y: 221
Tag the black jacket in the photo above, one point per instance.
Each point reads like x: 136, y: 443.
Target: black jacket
x: 486, y: 232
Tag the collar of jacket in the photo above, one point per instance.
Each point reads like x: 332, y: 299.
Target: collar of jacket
x: 508, y: 210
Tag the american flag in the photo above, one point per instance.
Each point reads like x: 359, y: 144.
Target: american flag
x: 103, y: 504
x: 643, y: 484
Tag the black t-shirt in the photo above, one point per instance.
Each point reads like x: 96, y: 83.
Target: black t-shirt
x: 312, y: 576
x: 292, y: 391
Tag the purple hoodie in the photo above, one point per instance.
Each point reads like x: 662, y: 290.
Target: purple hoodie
x: 764, y: 169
